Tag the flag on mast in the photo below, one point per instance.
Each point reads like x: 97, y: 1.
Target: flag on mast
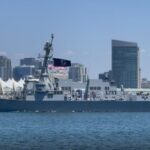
x: 58, y: 62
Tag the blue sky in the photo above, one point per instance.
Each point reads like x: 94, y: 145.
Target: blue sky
x: 83, y: 29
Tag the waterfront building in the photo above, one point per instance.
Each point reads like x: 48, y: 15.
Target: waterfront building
x: 5, y: 68
x: 125, y: 64
x: 20, y: 72
x: 77, y: 72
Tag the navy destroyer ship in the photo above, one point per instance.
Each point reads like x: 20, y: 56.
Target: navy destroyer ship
x: 47, y: 93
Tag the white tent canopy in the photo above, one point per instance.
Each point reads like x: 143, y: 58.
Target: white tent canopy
x: 11, y: 85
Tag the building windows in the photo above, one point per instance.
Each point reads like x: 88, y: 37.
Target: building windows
x: 78, y: 73
x: 125, y: 63
x: 5, y: 68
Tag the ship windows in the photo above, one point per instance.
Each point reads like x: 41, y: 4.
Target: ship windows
x: 106, y: 88
x: 115, y: 92
x: 95, y: 88
x: 98, y: 88
x: 58, y: 92
x: 40, y: 87
x: 66, y: 88
x: 91, y: 88
x: 110, y: 92
x: 50, y: 95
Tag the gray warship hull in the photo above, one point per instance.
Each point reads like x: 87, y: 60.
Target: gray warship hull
x: 74, y: 106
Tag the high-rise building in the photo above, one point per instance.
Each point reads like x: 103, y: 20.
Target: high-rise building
x: 30, y: 62
x: 125, y: 64
x: 28, y: 66
x: 77, y: 72
x: 5, y: 68
x: 23, y: 71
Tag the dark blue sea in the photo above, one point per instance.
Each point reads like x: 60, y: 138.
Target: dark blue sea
x: 74, y: 131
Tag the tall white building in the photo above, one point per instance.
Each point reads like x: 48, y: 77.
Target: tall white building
x: 77, y: 72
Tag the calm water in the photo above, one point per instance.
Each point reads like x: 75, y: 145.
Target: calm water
x: 108, y: 131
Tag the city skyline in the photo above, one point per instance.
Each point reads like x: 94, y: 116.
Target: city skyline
x: 83, y: 30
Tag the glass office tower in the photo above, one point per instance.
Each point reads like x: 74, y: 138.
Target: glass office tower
x: 5, y: 68
x: 125, y: 64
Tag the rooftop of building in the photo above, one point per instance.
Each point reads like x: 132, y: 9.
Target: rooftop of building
x: 76, y: 65
x: 119, y: 43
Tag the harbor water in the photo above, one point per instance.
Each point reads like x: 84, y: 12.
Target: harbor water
x: 74, y: 131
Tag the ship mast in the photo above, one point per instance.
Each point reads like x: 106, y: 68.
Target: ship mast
x: 48, y: 49
x: 87, y: 89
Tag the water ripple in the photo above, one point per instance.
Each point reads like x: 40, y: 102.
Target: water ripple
x: 75, y: 131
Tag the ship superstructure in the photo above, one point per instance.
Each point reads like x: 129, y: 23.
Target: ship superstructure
x: 44, y: 88
x: 47, y: 93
